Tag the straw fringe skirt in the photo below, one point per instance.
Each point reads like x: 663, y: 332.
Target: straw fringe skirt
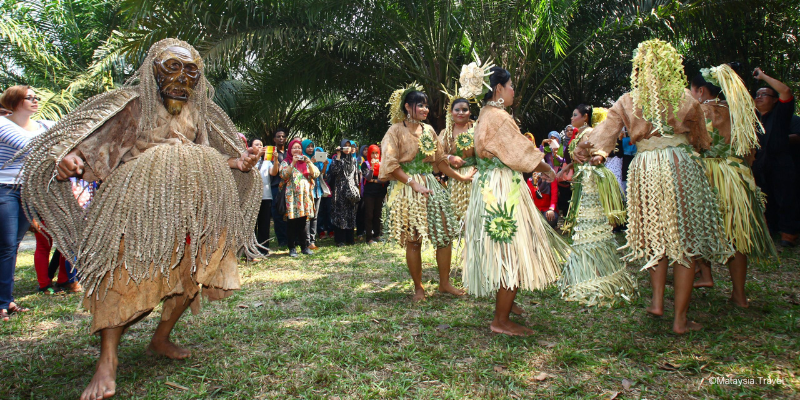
x: 533, y: 256
x: 742, y: 206
x: 459, y: 194
x: 672, y: 210
x: 410, y: 217
x: 594, y: 274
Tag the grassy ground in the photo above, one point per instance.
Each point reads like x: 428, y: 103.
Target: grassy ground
x: 340, y: 324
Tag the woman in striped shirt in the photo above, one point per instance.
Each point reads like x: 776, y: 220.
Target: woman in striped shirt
x: 16, y: 130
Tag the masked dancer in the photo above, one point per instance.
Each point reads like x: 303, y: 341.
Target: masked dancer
x: 178, y: 200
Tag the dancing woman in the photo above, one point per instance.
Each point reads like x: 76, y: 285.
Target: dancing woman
x: 594, y: 274
x: 672, y: 212
x: 509, y: 245
x: 727, y: 103
x: 417, y: 207
x: 457, y: 141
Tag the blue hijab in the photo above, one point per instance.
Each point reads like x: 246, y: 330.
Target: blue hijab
x: 305, y: 144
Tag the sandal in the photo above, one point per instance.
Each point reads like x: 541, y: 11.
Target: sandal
x: 15, y: 308
x: 50, y: 290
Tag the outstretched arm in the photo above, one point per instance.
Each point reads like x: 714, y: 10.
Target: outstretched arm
x: 784, y: 92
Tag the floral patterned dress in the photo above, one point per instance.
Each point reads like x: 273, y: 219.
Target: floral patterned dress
x: 299, y: 190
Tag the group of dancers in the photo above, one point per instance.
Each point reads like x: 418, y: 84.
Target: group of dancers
x: 689, y: 204
x: 180, y: 196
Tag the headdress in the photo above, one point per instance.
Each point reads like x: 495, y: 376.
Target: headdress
x: 598, y: 115
x: 474, y: 78
x: 741, y: 107
x: 396, y: 112
x: 657, y: 82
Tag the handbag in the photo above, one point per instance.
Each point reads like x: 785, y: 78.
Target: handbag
x: 280, y: 199
x: 326, y: 190
x: 351, y: 191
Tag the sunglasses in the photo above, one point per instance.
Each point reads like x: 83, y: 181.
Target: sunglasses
x: 760, y: 95
x: 33, y: 98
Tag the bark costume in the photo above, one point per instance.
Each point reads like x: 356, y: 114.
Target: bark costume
x: 594, y: 274
x: 508, y: 243
x: 672, y: 210
x: 732, y: 127
x: 409, y: 216
x: 170, y: 215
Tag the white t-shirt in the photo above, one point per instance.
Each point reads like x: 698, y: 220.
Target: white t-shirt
x: 265, y: 179
x: 12, y: 139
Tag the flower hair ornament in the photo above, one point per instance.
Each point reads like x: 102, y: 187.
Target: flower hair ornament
x: 396, y: 111
x: 474, y: 78
x: 741, y: 107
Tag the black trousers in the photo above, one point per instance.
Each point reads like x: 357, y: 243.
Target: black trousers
x: 779, y: 183
x: 296, y: 233
x: 262, y: 222
x: 372, y: 216
x: 564, y: 196
x: 344, y: 236
x: 311, y: 225
x: 360, y: 222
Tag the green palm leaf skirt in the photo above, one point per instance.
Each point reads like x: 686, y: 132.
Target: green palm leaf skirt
x: 672, y: 209
x: 741, y: 204
x: 607, y: 187
x: 508, y: 243
x: 410, y: 217
x: 594, y: 274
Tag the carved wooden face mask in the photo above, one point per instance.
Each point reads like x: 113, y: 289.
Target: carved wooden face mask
x: 176, y: 74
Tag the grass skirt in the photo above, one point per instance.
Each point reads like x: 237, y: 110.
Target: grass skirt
x: 594, y: 274
x: 606, y: 186
x: 672, y: 210
x: 742, y: 206
x: 409, y: 217
x: 530, y: 258
x: 459, y: 194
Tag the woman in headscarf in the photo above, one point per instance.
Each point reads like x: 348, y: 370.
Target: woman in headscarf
x: 374, y: 192
x: 298, y: 174
x: 363, y: 157
x: 347, y: 194
x: 309, y: 148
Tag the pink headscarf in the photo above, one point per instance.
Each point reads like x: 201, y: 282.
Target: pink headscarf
x: 300, y: 165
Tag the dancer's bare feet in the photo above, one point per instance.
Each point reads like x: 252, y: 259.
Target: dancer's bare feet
x: 655, y: 311
x: 739, y: 301
x: 685, y: 326
x: 703, y: 283
x: 419, y: 295
x: 515, y: 309
x: 167, y: 349
x: 509, y: 327
x: 447, y: 287
x: 103, y: 384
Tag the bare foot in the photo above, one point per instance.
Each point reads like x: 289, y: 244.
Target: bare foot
x: 419, y: 295
x: 510, y: 328
x: 703, y: 283
x: 686, y: 326
x: 655, y: 311
x: 167, y: 349
x: 739, y: 302
x: 448, y: 288
x: 103, y: 384
x: 515, y: 309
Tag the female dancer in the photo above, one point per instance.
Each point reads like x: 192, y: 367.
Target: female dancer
x: 417, y: 207
x: 594, y: 274
x: 672, y: 212
x: 509, y: 245
x: 457, y: 142
x: 741, y: 202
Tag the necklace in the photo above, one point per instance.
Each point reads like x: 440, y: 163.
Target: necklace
x: 499, y: 103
